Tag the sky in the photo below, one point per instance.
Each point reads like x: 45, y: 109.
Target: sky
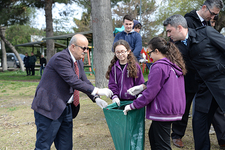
x: 39, y: 21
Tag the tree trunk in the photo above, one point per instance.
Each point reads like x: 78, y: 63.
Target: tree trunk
x: 49, y: 29
x: 4, y: 58
x: 13, y: 49
x: 103, y: 39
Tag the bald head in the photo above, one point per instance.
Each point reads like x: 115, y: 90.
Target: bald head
x: 78, y: 38
x: 78, y: 46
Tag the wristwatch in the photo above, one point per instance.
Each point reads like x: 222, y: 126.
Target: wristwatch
x: 96, y: 96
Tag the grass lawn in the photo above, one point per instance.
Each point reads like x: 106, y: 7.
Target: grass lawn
x: 90, y: 130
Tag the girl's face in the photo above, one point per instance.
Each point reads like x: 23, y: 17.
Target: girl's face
x: 155, y: 54
x: 122, y: 53
x: 151, y: 54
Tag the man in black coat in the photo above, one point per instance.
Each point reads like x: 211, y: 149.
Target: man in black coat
x: 195, y: 19
x: 206, y: 54
x: 202, y: 17
x: 42, y: 63
x: 26, y: 61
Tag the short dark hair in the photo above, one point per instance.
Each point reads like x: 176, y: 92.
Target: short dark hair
x: 128, y: 17
x: 214, y: 3
x: 138, y: 26
x: 176, y: 20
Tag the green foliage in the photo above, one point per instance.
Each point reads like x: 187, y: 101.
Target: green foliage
x: 20, y: 34
x: 14, y: 12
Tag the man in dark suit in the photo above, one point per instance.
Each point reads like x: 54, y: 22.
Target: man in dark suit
x: 205, y: 52
x: 56, y: 101
x: 201, y: 17
x: 195, y: 19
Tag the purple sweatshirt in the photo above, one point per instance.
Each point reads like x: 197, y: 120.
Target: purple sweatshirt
x: 165, y: 93
x: 120, y: 82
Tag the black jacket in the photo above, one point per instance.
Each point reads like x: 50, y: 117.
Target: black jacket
x: 43, y: 62
x: 193, y: 20
x: 207, y: 55
x: 191, y: 85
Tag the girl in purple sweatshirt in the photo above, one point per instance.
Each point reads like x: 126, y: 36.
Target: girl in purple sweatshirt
x: 164, y: 96
x: 123, y: 72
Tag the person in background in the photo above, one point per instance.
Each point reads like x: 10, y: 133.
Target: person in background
x: 164, y: 96
x: 133, y: 38
x: 123, y: 72
x: 57, y: 102
x: 26, y: 62
x: 213, y: 21
x: 137, y: 26
x: 202, y: 17
x: 33, y: 59
x: 42, y: 63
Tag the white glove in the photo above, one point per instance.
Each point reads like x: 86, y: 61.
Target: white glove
x: 135, y: 90
x: 101, y: 103
x: 139, y: 95
x: 105, y: 91
x: 116, y: 100
x: 126, y: 109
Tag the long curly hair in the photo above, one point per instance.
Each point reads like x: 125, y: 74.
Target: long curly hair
x: 131, y: 60
x: 169, y: 50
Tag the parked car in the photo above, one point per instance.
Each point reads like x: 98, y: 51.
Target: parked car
x: 12, y: 60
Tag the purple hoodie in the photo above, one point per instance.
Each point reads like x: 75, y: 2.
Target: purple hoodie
x: 165, y: 93
x: 120, y: 82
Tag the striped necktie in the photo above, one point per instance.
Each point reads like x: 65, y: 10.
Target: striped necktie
x: 76, y: 92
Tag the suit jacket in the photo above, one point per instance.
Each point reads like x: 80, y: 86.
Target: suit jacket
x: 58, y: 84
x: 191, y: 85
x: 193, y: 21
x: 206, y: 53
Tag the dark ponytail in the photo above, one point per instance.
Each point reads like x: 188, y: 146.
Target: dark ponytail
x: 169, y: 50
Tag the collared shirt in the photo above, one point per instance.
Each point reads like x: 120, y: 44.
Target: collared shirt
x: 93, y: 92
x: 74, y: 60
x: 201, y: 19
x: 185, y: 39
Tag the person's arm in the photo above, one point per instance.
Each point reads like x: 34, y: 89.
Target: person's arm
x: 113, y: 85
x: 216, y: 38
x: 137, y: 46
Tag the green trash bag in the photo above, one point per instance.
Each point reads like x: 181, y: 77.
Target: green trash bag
x: 127, y: 131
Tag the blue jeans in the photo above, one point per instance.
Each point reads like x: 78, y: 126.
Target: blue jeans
x: 42, y: 68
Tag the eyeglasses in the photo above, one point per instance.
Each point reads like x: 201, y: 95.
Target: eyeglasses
x: 83, y: 48
x: 149, y: 53
x: 212, y: 13
x: 120, y: 53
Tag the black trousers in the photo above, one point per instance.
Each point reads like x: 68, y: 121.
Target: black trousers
x: 159, y: 135
x: 58, y: 131
x: 219, y: 126
x: 179, y: 127
x: 201, y: 123
x: 28, y: 70
x: 32, y: 69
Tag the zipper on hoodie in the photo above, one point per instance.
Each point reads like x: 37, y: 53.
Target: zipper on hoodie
x: 122, y: 80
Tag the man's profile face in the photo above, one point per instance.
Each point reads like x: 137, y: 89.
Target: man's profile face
x: 128, y: 25
x: 173, y: 33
